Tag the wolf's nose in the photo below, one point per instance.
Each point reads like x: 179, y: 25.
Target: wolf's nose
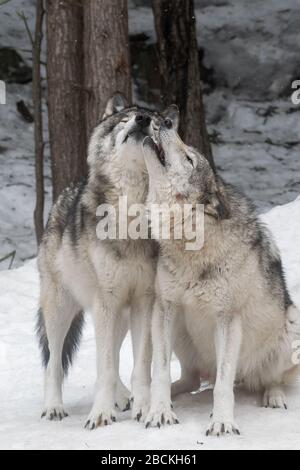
x: 168, y: 123
x: 142, y: 120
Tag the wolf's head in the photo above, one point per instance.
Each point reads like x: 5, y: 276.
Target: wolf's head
x: 179, y: 173
x: 117, y: 139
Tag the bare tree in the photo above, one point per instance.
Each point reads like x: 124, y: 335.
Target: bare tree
x: 38, y: 123
x: 66, y: 92
x: 179, y: 68
x: 106, y: 55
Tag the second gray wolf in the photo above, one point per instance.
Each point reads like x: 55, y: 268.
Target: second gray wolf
x: 225, y: 309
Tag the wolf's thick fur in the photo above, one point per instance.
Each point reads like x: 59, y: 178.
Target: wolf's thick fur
x: 225, y: 309
x: 79, y: 272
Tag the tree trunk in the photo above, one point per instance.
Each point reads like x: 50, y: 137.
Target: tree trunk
x: 179, y: 68
x: 38, y: 123
x: 106, y: 55
x: 65, y: 65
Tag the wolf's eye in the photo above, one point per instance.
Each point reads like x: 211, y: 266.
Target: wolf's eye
x: 190, y: 160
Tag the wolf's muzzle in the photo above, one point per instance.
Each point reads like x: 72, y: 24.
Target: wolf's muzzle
x: 167, y: 123
x: 142, y: 120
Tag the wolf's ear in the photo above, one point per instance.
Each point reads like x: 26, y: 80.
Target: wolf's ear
x: 217, y: 205
x: 115, y: 104
x: 172, y: 112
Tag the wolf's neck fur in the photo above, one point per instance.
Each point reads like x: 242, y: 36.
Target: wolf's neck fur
x: 128, y: 182
x: 102, y: 189
x: 131, y: 183
x: 219, y: 241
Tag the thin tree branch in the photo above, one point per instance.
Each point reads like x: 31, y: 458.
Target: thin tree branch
x: 11, y: 255
x: 24, y: 18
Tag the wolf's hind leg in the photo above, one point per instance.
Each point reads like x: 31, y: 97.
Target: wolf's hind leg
x: 187, y: 356
x: 188, y: 382
x: 274, y: 397
x: 59, y: 329
x: 122, y: 392
x: 123, y: 402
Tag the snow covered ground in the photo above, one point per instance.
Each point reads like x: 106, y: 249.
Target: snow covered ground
x: 21, y: 379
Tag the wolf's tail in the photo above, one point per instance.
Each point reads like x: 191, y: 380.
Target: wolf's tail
x: 71, y: 342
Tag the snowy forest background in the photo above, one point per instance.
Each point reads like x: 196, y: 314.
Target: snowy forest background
x: 249, y: 57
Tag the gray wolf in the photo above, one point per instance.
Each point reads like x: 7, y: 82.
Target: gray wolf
x: 225, y: 309
x: 79, y: 272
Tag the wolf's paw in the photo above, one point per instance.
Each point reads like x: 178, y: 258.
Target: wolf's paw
x: 98, y: 417
x: 123, y: 402
x: 140, y: 408
x: 160, y: 415
x: 274, y: 397
x: 140, y: 402
x: 54, y: 413
x: 217, y: 428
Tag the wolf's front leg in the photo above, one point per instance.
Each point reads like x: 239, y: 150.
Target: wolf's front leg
x: 105, y: 313
x: 162, y: 328
x: 141, y: 315
x: 228, y: 341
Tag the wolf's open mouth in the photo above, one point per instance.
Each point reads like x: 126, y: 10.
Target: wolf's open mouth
x: 160, y: 152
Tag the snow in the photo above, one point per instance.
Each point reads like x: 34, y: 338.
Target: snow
x: 21, y: 385
x: 244, y: 41
x: 251, y: 45
x: 17, y: 181
x: 284, y: 222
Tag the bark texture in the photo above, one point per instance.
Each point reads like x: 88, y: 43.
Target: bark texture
x: 106, y: 55
x: 67, y: 123
x: 38, y: 123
